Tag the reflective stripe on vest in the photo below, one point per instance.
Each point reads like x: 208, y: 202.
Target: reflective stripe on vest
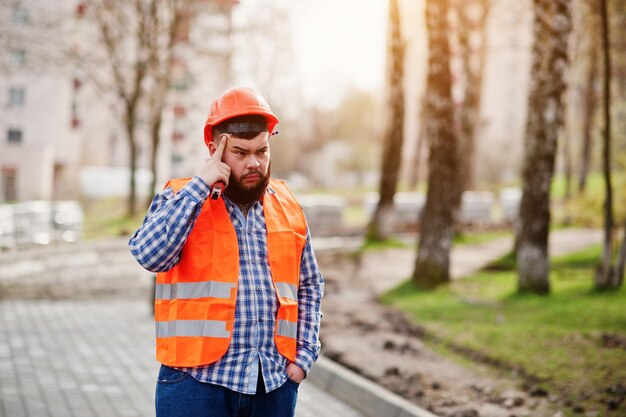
x: 192, y: 328
x: 287, y: 290
x: 195, y: 300
x: 188, y: 290
x: 287, y: 329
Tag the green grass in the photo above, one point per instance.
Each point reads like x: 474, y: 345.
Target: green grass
x: 475, y: 238
x: 463, y: 238
x: 556, y: 340
x: 386, y: 244
x: 586, y: 209
x: 107, y: 218
x: 355, y: 215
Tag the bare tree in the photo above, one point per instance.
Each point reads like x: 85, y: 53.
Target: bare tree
x: 590, y: 99
x: 381, y: 223
x: 573, y: 97
x: 118, y: 66
x: 420, y: 143
x: 140, y: 40
x: 608, y: 276
x: 585, y: 48
x: 471, y: 34
x: 169, y: 26
x: 432, y: 266
x: 552, y: 25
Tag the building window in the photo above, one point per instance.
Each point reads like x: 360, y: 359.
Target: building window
x: 18, y: 57
x: 20, y: 14
x: 75, y: 116
x: 16, y: 96
x: 180, y: 76
x: 14, y: 136
x: 8, y: 184
x: 179, y: 111
x: 81, y: 9
x: 178, y: 136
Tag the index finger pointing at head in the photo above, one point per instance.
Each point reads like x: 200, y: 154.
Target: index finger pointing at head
x: 220, y: 148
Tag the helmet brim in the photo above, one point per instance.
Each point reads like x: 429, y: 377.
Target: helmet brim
x: 272, y: 120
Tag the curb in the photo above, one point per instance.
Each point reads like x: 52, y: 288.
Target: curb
x: 361, y: 393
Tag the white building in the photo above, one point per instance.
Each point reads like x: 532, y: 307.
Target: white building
x: 56, y: 130
x: 39, y: 140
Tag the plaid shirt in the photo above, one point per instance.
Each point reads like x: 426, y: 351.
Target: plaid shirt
x: 156, y: 246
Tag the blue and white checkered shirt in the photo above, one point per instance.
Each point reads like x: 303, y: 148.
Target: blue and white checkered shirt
x: 156, y: 246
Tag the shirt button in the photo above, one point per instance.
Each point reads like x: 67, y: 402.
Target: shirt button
x: 203, y: 195
x: 253, y: 261
x: 258, y: 288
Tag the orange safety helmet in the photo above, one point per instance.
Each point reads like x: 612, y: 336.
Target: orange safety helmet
x: 237, y: 101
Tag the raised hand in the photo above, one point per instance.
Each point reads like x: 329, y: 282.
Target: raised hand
x: 214, y: 169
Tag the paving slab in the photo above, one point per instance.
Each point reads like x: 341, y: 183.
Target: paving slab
x: 86, y: 358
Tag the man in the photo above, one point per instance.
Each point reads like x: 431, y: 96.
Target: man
x: 237, y: 303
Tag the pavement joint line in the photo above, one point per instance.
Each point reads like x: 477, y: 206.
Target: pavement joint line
x: 75, y: 360
x: 368, y: 397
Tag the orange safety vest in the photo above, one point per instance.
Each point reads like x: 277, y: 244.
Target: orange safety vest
x: 195, y: 300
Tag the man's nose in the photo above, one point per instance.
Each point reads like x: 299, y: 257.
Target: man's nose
x: 253, y: 162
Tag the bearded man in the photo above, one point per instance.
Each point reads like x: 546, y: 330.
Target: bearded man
x: 238, y: 289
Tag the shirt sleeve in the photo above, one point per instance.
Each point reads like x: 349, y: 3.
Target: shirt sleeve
x: 156, y: 245
x: 310, y: 292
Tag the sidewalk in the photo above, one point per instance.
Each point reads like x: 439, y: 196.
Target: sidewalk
x: 68, y: 348
x: 93, y: 358
x: 397, y: 264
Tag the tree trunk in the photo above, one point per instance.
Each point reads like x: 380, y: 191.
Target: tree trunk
x: 606, y: 271
x: 414, y: 174
x: 381, y: 223
x: 473, y: 61
x: 618, y: 277
x: 589, y: 111
x: 167, y: 18
x: 122, y: 29
x: 155, y: 134
x: 432, y: 265
x: 132, y: 164
x: 567, y: 166
x: 552, y: 24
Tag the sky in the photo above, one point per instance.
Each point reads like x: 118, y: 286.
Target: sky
x: 338, y: 45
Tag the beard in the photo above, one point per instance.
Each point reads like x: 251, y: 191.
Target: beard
x: 240, y: 194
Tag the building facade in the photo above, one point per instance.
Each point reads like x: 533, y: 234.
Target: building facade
x: 39, y: 140
x: 63, y: 138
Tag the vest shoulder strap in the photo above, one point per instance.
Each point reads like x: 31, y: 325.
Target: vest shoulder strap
x: 177, y: 183
x: 281, y: 187
x: 290, y: 206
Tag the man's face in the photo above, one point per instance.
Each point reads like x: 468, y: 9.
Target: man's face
x: 249, y: 162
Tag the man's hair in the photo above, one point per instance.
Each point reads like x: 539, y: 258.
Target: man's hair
x: 245, y: 127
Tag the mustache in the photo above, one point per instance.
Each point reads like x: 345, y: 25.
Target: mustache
x: 248, y: 174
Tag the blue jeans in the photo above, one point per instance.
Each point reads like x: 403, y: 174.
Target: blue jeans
x: 179, y: 394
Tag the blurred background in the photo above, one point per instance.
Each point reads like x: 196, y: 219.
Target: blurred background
x: 408, y: 128
x: 94, y: 92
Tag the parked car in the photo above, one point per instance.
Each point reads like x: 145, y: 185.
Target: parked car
x: 33, y: 224
x: 67, y: 221
x: 7, y: 227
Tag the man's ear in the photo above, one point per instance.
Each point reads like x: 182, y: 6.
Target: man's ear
x: 212, y: 148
